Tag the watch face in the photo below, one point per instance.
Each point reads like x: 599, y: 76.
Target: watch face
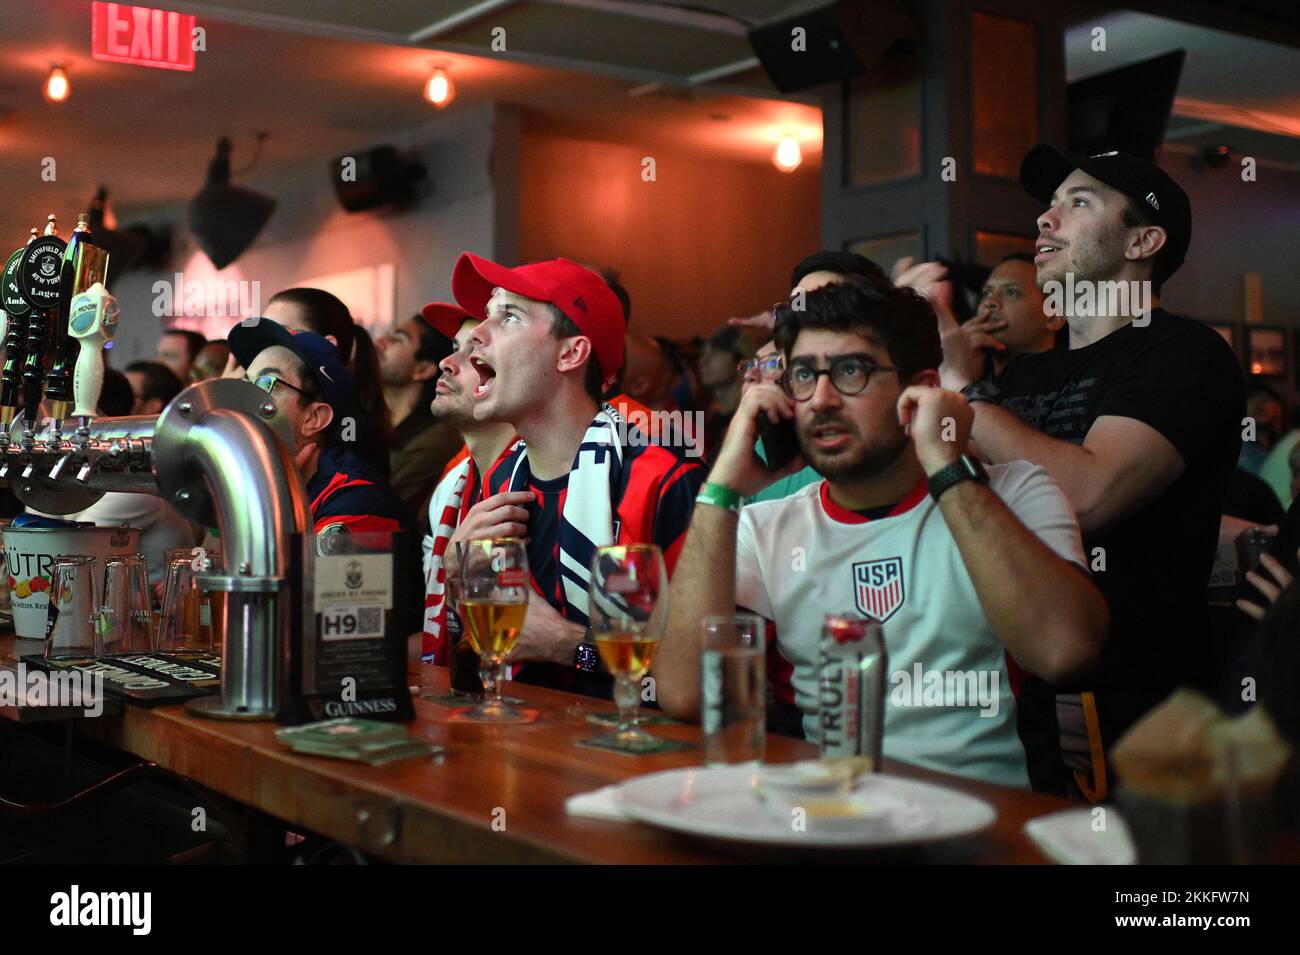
x: 587, y: 658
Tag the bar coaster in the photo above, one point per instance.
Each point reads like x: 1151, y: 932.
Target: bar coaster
x: 461, y: 701
x: 459, y: 716
x: 645, y: 719
x: 661, y: 746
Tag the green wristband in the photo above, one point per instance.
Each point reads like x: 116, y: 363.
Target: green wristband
x: 719, y: 495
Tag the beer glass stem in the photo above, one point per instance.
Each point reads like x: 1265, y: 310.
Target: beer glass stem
x: 628, y: 698
x: 490, y: 674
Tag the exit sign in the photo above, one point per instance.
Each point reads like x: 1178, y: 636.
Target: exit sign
x: 142, y: 36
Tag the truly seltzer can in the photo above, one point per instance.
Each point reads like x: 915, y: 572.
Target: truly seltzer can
x: 851, y: 688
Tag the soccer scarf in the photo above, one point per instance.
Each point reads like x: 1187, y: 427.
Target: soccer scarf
x: 588, y: 520
x: 451, y: 501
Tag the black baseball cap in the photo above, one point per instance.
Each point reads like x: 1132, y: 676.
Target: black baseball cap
x: 251, y: 336
x: 1152, y: 190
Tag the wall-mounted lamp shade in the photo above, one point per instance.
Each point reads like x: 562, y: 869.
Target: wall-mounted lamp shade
x: 225, y: 219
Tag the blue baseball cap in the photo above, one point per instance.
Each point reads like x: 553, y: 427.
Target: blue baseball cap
x: 251, y: 336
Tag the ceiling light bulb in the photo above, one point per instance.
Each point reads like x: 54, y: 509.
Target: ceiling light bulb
x: 439, y: 90
x: 56, y: 85
x: 788, y: 155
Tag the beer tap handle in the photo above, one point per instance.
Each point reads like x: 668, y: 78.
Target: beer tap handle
x: 59, y: 466
x: 58, y: 378
x: 15, y: 312
x: 92, y: 319
x: 34, y: 368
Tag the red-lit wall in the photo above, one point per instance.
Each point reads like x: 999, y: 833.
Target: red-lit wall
x: 707, y: 239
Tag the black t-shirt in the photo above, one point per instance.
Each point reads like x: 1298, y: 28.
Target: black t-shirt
x: 1179, y: 377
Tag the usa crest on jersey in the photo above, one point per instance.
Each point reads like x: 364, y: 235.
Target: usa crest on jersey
x: 878, y: 588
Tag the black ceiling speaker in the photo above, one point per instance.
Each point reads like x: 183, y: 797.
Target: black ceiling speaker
x: 839, y: 41
x: 1126, y: 108
x: 225, y: 219
x: 375, y: 177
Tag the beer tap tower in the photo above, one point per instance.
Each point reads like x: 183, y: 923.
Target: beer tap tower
x: 219, y: 452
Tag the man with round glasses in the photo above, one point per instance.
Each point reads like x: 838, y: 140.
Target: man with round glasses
x: 976, y: 576
x: 302, y: 373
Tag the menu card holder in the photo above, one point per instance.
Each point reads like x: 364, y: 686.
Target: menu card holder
x: 351, y: 660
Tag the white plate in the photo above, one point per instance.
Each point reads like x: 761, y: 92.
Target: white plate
x: 720, y: 803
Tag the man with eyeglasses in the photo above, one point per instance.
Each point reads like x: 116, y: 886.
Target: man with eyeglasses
x: 976, y: 576
x: 302, y: 373
x: 721, y: 367
x: 814, y: 271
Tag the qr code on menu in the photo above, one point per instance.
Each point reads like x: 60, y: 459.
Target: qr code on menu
x: 370, y: 620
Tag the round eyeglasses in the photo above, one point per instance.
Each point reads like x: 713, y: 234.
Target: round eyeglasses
x: 767, y: 368
x: 850, y: 374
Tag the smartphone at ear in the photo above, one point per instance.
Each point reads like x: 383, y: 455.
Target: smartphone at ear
x: 780, y: 442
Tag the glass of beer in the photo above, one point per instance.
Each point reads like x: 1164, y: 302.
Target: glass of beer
x: 462, y: 661
x: 627, y: 608
x: 494, y: 585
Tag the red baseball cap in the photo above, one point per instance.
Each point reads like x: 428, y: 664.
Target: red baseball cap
x: 579, y: 293
x: 446, y: 319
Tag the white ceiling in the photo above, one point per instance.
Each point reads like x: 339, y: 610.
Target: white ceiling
x: 1234, y: 89
x: 327, y: 76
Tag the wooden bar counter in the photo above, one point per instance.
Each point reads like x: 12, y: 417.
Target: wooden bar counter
x: 443, y: 808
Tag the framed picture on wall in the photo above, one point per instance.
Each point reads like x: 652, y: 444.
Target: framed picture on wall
x: 1266, y: 353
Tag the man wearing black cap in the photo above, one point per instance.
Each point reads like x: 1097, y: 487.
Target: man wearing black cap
x: 302, y: 373
x: 1137, y: 415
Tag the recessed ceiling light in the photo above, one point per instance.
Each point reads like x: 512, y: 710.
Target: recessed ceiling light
x: 57, y: 86
x: 788, y: 155
x: 440, y: 90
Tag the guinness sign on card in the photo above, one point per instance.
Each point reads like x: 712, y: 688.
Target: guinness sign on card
x: 40, y: 271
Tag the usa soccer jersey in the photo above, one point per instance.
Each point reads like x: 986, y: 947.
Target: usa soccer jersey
x: 950, y: 704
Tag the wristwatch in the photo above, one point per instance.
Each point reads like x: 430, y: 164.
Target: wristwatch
x: 586, y: 657
x: 965, y: 468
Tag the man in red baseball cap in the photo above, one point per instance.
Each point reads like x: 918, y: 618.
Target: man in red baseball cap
x: 550, y: 344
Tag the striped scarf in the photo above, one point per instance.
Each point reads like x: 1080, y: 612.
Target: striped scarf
x: 588, y: 520
x: 447, y: 507
x: 455, y: 494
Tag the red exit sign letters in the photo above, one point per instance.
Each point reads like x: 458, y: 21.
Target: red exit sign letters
x: 121, y: 33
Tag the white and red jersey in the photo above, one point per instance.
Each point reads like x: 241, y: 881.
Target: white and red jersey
x: 950, y: 702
